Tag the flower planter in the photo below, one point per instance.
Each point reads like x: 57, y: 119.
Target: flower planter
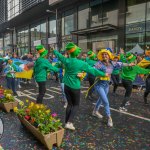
x: 8, y: 106
x: 49, y: 139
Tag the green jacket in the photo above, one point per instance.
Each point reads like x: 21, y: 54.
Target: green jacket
x: 130, y: 73
x: 91, y: 62
x: 41, y: 66
x: 10, y: 68
x: 73, y: 66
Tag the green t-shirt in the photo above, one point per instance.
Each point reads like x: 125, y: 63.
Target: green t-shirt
x: 73, y: 66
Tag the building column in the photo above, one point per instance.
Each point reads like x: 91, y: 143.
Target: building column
x: 121, y: 23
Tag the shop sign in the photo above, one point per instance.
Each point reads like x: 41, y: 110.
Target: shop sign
x: 53, y: 2
x: 134, y: 28
x: 38, y: 42
x: 52, y: 40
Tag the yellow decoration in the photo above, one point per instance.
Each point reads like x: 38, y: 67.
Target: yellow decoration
x: 144, y: 63
x: 24, y: 74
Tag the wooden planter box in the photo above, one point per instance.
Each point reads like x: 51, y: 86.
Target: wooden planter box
x: 49, y: 139
x: 8, y: 106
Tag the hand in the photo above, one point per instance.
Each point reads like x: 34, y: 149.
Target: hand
x: 12, y: 71
x: 107, y: 75
x: 132, y: 64
x: 80, y: 75
x: 121, y: 51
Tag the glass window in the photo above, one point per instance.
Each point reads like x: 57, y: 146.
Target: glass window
x: 135, y: 11
x: 69, y: 22
x: 83, y: 14
x: 52, y: 27
x: 96, y: 13
x: 110, y: 12
x: 148, y: 39
x: 43, y: 30
x: 63, y: 25
x: 37, y: 32
x: 133, y: 39
x: 13, y: 8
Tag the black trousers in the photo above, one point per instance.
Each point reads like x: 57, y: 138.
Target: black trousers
x: 42, y: 90
x: 115, y: 78
x: 73, y: 99
x: 147, y: 91
x: 127, y: 84
x: 91, y: 79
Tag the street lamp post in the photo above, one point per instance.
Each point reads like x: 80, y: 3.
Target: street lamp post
x: 56, y: 14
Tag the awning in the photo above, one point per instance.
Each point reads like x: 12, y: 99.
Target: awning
x: 94, y: 29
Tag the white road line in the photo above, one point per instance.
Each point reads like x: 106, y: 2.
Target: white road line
x: 32, y: 93
x: 54, y: 91
x: 17, y: 99
x: 56, y: 88
x: 83, y: 91
x: 126, y: 113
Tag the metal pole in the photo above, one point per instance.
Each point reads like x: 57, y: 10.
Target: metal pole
x: 56, y: 29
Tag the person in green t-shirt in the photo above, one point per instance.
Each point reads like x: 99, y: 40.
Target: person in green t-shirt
x: 41, y: 66
x: 128, y: 75
x: 73, y: 68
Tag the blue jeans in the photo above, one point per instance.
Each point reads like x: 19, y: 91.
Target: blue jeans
x: 11, y: 84
x: 63, y: 93
x: 102, y: 88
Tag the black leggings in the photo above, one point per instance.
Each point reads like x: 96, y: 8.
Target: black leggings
x: 127, y: 84
x: 42, y: 90
x: 73, y: 98
x: 115, y: 78
x: 91, y: 79
x: 147, y: 85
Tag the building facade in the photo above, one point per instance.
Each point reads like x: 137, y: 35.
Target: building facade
x: 92, y: 24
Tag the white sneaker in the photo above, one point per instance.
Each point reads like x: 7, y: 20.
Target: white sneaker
x: 97, y: 114
x: 122, y: 109
x: 128, y: 103
x: 19, y: 86
x: 69, y: 126
x: 110, y: 122
x: 66, y: 104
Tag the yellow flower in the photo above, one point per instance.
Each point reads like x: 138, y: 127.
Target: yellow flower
x: 32, y: 104
x: 47, y: 111
x: 21, y: 103
x: 27, y: 101
x: 37, y: 106
x: 15, y: 109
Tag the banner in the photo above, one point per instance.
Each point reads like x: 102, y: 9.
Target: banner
x: 24, y: 74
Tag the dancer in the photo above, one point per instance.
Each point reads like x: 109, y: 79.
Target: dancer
x: 73, y: 68
x: 105, y: 64
x: 145, y: 63
x: 41, y: 66
x: 128, y: 75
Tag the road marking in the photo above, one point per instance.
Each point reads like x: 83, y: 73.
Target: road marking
x: 127, y: 113
x: 54, y: 91
x: 17, y: 99
x: 56, y: 88
x: 147, y: 119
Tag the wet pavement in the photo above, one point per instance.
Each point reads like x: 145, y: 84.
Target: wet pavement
x: 131, y: 131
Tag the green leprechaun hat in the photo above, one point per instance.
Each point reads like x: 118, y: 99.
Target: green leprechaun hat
x: 130, y: 57
x: 73, y: 49
x: 41, y: 50
x: 91, y: 54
